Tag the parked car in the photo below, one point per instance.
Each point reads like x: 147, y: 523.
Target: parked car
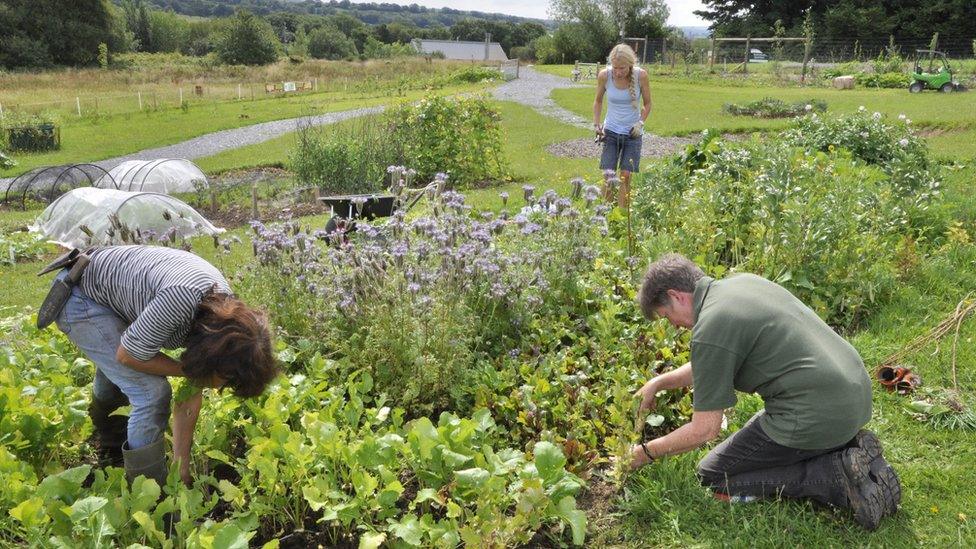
x: 757, y: 56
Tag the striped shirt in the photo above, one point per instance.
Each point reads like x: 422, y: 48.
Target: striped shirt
x: 156, y: 290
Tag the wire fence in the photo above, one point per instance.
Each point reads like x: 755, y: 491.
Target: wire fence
x: 669, y: 51
x: 95, y: 105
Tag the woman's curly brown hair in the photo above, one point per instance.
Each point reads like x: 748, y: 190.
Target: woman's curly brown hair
x: 233, y: 341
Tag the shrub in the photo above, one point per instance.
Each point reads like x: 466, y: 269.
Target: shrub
x: 247, y: 40
x: 6, y: 162
x: 328, y: 42
x: 458, y: 136
x: 883, y: 80
x: 349, y: 159
x: 471, y: 75
x: 769, y: 107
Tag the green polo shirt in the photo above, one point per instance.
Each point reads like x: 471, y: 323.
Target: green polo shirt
x: 752, y: 335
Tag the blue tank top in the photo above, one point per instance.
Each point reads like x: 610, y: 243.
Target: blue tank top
x: 621, y: 114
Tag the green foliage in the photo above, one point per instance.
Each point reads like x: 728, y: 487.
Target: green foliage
x: 458, y: 136
x: 473, y: 75
x: 6, y: 162
x: 328, y: 42
x: 374, y: 49
x: 351, y: 160
x: 883, y: 80
x: 39, y: 33
x: 22, y: 246
x: 247, y: 40
x: 769, y: 107
x: 103, y: 55
x: 802, y: 209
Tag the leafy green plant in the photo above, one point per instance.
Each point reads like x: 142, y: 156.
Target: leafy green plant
x: 802, y: 209
x: 22, y: 246
x: 6, y: 162
x: 352, y: 160
x: 457, y: 136
x: 883, y: 80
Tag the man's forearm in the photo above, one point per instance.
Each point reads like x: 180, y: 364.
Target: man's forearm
x: 681, y: 440
x: 675, y: 379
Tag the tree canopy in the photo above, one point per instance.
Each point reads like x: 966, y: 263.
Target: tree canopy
x: 844, y: 19
x: 53, y: 32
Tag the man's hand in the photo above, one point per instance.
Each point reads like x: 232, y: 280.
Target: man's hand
x: 648, y: 396
x: 638, y: 457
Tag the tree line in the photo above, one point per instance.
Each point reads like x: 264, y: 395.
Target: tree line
x: 837, y: 20
x: 45, y: 33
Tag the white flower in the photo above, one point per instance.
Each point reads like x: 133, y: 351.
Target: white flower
x: 864, y: 135
x: 813, y: 116
x: 861, y: 109
x: 908, y: 120
x: 903, y: 142
x: 877, y: 115
x: 808, y: 107
x: 901, y: 117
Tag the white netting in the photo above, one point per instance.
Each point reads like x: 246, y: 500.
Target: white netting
x: 167, y: 176
x: 91, y: 216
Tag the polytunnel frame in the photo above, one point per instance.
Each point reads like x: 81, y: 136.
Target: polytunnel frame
x: 65, y: 169
x: 152, y: 165
x: 118, y: 208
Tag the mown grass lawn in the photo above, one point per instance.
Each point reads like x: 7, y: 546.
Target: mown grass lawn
x: 663, y: 504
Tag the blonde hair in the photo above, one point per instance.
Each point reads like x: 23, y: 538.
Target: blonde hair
x: 624, y: 53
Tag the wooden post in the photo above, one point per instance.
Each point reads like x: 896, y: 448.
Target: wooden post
x: 78, y: 105
x: 254, y: 201
x: 139, y: 94
x: 745, y: 64
x: 711, y: 56
x: 213, y: 199
x: 239, y: 92
x: 664, y: 49
x: 1, y: 111
x: 181, y: 96
x: 807, y: 46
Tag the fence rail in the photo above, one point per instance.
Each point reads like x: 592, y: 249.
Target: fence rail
x: 141, y: 101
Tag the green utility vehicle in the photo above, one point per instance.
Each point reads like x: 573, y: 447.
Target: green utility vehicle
x: 934, y: 77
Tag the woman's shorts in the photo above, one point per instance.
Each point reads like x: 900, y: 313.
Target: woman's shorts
x: 621, y: 151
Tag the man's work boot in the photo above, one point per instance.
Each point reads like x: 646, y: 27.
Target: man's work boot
x: 881, y: 471
x: 148, y: 461
x: 863, y: 494
x: 110, y: 431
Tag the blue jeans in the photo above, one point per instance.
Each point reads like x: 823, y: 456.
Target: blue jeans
x: 621, y: 150
x: 97, y: 331
x: 749, y: 463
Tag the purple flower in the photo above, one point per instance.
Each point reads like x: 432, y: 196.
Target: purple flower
x: 527, y: 191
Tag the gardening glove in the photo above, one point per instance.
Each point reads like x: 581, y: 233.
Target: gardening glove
x: 600, y: 135
x: 637, y: 130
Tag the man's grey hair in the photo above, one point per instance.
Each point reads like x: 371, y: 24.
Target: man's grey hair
x: 669, y: 272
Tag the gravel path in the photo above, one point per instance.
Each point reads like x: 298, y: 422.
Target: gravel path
x: 532, y: 88
x: 653, y: 146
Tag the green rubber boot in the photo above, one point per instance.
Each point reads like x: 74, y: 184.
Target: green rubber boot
x: 148, y: 461
x: 110, y: 431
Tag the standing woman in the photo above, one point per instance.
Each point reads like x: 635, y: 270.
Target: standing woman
x: 628, y: 105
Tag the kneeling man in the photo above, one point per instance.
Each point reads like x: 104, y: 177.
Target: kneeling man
x: 752, y: 335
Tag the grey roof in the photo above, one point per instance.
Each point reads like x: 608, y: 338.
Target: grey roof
x: 466, y: 51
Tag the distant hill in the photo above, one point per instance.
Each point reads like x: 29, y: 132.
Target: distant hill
x: 370, y: 13
x: 695, y: 32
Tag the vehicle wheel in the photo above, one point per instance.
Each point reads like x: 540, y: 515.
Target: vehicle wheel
x: 916, y: 87
x: 947, y: 88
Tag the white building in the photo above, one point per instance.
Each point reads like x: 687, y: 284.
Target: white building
x: 464, y: 51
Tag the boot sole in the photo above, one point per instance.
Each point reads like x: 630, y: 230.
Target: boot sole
x: 863, y: 493
x: 881, y: 471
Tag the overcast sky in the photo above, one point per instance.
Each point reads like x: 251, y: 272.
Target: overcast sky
x: 681, y: 10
